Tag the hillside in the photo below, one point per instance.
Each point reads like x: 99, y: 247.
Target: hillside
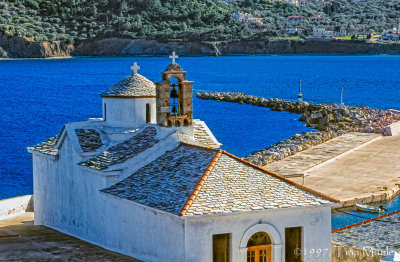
x: 355, y: 16
x: 79, y: 21
x: 75, y: 20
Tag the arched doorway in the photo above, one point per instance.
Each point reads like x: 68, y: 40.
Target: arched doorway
x: 259, y: 248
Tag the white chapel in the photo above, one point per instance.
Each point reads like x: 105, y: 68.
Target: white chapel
x: 149, y: 181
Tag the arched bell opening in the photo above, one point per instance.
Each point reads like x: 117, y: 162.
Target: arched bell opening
x: 169, y: 123
x: 178, y: 123
x: 185, y: 122
x: 174, y: 97
x: 259, y: 248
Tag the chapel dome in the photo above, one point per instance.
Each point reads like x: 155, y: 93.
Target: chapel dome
x: 134, y: 85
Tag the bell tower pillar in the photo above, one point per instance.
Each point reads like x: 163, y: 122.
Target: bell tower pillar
x: 174, y: 97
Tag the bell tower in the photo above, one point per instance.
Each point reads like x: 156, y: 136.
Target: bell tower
x: 174, y: 97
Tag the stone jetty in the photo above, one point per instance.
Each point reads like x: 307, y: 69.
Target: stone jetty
x: 328, y: 119
x: 288, y: 147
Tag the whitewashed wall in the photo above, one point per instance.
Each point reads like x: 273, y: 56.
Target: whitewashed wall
x: 128, y: 112
x: 316, y: 223
x: 393, y: 129
x: 16, y: 205
x: 67, y: 198
x: 142, y: 232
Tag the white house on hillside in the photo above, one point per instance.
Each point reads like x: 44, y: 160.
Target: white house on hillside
x: 342, y: 32
x: 149, y: 181
x: 321, y: 33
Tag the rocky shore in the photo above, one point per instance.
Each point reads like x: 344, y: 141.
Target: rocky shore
x: 19, y: 47
x: 123, y: 46
x: 288, y: 147
x: 328, y: 119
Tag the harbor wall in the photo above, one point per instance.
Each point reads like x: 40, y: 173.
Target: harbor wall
x: 15, y: 206
x: 393, y: 129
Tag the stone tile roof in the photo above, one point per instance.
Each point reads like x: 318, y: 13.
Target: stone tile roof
x: 379, y: 233
x: 201, y: 136
x: 89, y: 139
x: 167, y: 182
x: 134, y: 85
x: 193, y: 180
x: 123, y: 151
x: 47, y: 147
x: 233, y: 186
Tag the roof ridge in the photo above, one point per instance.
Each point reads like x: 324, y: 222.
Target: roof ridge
x: 305, y: 188
x: 199, y: 146
x: 202, y: 179
x: 365, y: 221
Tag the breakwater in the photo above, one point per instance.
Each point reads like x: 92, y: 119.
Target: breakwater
x: 288, y: 147
x: 328, y: 119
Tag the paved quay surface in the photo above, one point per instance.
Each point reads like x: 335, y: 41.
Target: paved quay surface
x: 373, y: 169
x: 20, y: 240
x: 354, y: 168
x: 302, y: 161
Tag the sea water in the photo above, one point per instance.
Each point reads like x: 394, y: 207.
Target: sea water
x: 37, y: 97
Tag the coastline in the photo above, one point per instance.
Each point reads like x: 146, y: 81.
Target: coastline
x: 194, y: 55
x: 121, y: 47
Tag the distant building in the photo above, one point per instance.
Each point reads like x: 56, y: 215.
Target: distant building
x: 342, y: 32
x: 317, y: 18
x: 391, y: 34
x: 303, y: 3
x: 246, y: 19
x: 293, y: 2
x: 321, y: 33
x: 295, y: 18
x: 293, y: 30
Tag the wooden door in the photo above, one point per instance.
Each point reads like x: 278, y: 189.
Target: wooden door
x: 221, y: 248
x: 259, y: 253
x: 148, y: 113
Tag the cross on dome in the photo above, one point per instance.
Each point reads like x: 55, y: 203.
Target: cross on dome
x: 173, y: 57
x: 135, y: 68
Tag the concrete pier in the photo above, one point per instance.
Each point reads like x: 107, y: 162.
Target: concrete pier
x: 354, y: 168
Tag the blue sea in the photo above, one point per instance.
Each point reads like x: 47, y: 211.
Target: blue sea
x: 39, y: 96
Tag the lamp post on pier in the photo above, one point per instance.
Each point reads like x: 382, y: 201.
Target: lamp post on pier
x: 341, y: 106
x: 300, y: 95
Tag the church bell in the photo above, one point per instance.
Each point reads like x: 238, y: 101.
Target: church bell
x: 174, y: 94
